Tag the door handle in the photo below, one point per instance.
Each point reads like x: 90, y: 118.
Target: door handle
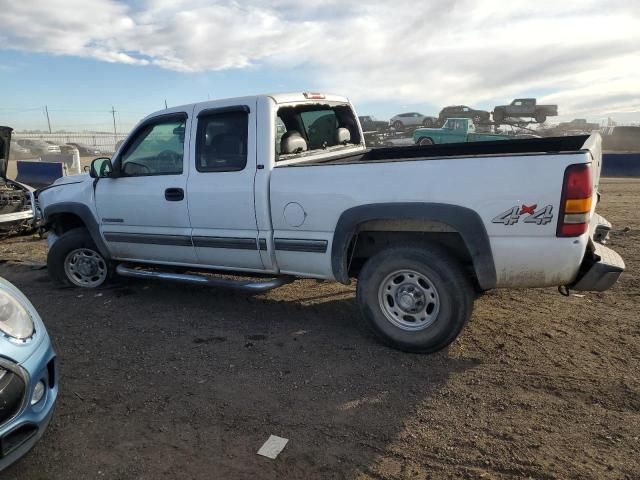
x: 174, y: 194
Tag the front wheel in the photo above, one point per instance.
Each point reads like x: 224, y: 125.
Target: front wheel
x: 541, y: 117
x: 398, y: 125
x: 425, y: 141
x: 415, y: 299
x: 74, y: 260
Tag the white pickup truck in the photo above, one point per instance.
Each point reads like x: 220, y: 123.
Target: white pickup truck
x: 275, y: 187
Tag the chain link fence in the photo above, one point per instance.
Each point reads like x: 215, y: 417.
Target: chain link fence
x: 105, y: 142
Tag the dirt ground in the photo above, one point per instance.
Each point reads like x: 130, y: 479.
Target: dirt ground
x: 163, y: 381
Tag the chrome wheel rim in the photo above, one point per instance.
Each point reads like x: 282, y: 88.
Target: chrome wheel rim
x: 409, y: 300
x: 85, y: 268
x: 425, y: 141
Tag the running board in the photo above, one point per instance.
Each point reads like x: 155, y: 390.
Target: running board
x: 246, y: 285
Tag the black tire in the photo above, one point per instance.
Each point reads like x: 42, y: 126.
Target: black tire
x: 477, y: 119
x: 424, y: 141
x: 398, y: 125
x: 75, y: 239
x: 541, y: 117
x: 427, y: 122
x: 455, y: 296
x: 498, y: 116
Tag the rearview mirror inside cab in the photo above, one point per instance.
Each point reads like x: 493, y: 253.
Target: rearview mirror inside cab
x: 101, y: 167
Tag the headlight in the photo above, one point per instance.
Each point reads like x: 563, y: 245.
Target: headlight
x: 15, y: 321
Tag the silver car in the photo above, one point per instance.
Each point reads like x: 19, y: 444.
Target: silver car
x: 412, y: 119
x: 39, y: 147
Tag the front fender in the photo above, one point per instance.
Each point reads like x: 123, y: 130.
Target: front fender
x: 85, y: 214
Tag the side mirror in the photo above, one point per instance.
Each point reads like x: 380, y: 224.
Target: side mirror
x: 101, y: 168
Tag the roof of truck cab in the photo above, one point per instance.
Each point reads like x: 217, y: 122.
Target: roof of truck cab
x: 279, y: 98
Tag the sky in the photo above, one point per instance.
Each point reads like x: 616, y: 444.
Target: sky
x: 81, y: 58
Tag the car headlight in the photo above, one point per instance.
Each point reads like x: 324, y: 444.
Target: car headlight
x: 15, y: 321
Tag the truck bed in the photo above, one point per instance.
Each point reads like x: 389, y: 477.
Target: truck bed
x: 525, y: 146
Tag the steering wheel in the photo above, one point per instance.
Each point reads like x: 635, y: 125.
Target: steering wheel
x: 134, y: 168
x: 169, y: 156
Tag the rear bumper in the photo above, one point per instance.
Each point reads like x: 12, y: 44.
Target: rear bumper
x: 600, y: 269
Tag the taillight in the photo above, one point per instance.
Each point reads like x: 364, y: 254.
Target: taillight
x: 313, y: 96
x: 575, y: 205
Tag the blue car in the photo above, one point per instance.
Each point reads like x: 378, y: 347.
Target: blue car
x: 28, y: 375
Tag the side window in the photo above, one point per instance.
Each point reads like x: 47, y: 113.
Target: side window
x: 158, y: 149
x: 221, y: 141
x: 281, y: 129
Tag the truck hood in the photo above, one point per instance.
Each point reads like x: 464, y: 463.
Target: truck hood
x: 5, y: 144
x: 82, y: 177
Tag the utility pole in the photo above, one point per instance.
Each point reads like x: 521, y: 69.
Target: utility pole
x: 165, y: 103
x: 113, y: 114
x: 46, y: 111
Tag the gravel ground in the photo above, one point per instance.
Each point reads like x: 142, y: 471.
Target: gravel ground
x: 163, y: 381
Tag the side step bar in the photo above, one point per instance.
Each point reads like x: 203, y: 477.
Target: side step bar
x: 246, y: 285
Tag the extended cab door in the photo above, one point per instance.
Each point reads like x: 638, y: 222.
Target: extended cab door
x: 143, y: 209
x: 221, y: 186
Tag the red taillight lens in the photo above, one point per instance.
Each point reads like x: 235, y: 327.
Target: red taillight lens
x: 578, y: 182
x: 575, y: 206
x: 572, y: 229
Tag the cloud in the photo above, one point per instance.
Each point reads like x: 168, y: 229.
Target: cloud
x: 583, y: 54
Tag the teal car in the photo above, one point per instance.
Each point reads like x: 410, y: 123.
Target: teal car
x: 454, y: 130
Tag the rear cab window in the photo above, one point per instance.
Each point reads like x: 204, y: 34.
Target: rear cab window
x: 313, y: 129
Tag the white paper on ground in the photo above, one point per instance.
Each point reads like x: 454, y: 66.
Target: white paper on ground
x: 273, y: 446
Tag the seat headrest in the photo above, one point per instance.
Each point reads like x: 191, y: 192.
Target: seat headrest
x: 343, y: 136
x: 292, y: 142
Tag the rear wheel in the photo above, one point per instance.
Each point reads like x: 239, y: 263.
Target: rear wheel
x: 74, y: 260
x: 498, y: 116
x: 477, y: 119
x: 415, y: 299
x: 541, y: 117
x: 427, y: 122
x: 398, y: 125
x: 425, y: 141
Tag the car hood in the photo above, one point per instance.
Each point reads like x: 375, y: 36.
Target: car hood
x: 81, y: 177
x: 5, y: 145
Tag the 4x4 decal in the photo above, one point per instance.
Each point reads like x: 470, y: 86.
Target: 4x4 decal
x: 512, y: 216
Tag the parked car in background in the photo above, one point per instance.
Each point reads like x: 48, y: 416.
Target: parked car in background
x: 28, y: 375
x: 38, y: 147
x: 423, y: 229
x: 17, y: 201
x: 84, y: 149
x: 524, y: 108
x: 412, y: 119
x: 18, y: 152
x: 370, y: 124
x: 454, y: 130
x: 462, y: 111
x: 577, y: 125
